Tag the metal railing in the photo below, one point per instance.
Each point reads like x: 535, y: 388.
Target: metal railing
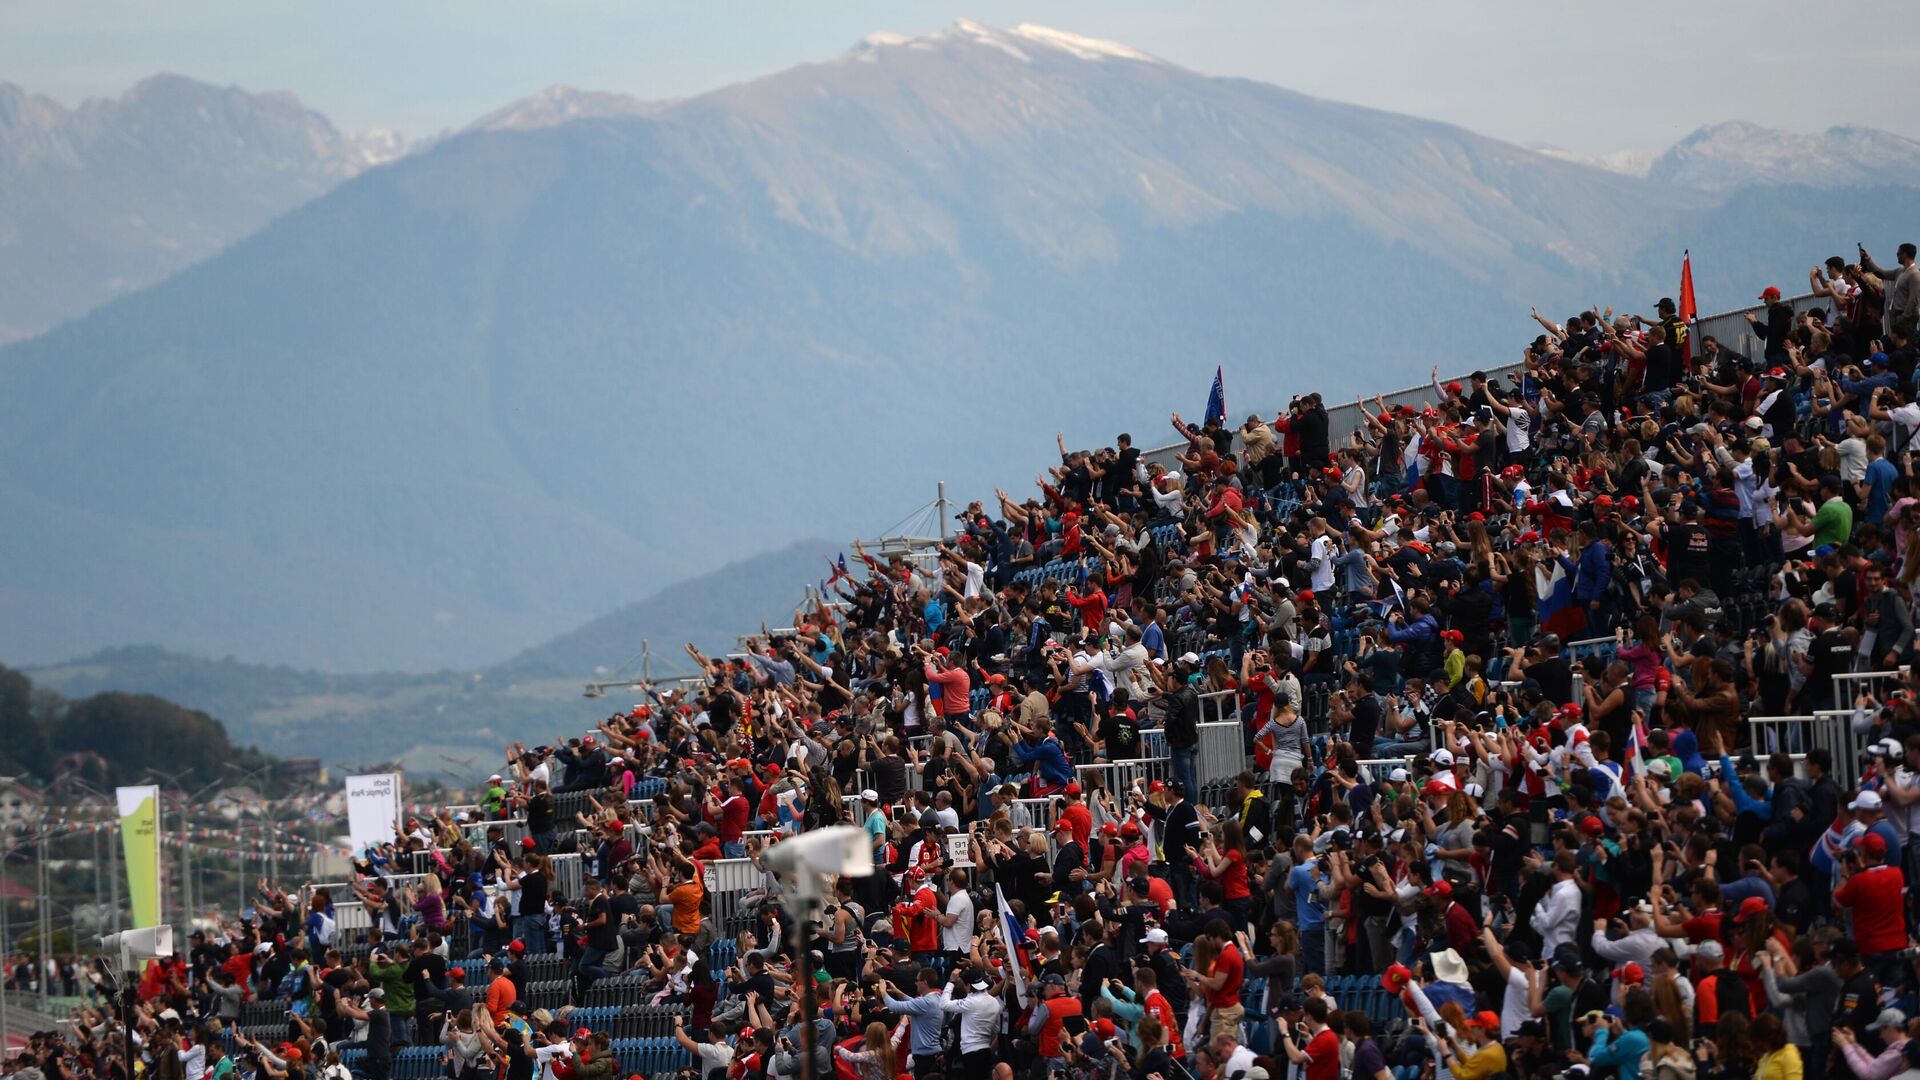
x: 1728, y: 327
x: 729, y: 882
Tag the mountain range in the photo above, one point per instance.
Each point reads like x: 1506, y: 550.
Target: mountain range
x: 1737, y: 154
x: 476, y: 396
x: 449, y: 722
x: 113, y: 195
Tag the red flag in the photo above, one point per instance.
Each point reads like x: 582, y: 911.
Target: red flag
x: 1689, y: 311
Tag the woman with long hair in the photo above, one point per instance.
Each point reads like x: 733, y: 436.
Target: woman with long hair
x: 1225, y: 860
x: 1285, y: 736
x: 430, y: 903
x: 1779, y: 1059
x: 1729, y: 1054
x: 876, y: 1061
x: 1644, y: 656
x: 1154, y: 1059
x: 1756, y: 934
x: 1672, y: 994
x: 1608, y: 707
x: 1454, y: 839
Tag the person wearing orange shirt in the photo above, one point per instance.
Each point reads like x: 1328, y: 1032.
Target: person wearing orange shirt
x: 501, y: 993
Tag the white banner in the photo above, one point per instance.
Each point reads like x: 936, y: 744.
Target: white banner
x: 373, y: 809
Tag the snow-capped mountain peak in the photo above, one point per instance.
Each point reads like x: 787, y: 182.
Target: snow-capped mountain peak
x: 1022, y: 42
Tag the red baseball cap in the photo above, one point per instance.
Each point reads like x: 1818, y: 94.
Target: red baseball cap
x: 517, y: 947
x: 1872, y: 843
x: 1109, y: 829
x: 1073, y: 787
x: 1439, y: 888
x: 1771, y: 292
x: 1592, y: 826
x: 1756, y: 905
x: 1632, y: 974
x: 1485, y: 1021
x: 528, y: 843
x: 1453, y: 388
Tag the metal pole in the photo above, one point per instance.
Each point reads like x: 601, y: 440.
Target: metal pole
x: 186, y: 872
x: 113, y: 876
x: 44, y: 912
x: 941, y: 502
x: 6, y: 937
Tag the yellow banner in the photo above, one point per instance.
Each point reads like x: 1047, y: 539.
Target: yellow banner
x: 140, y: 838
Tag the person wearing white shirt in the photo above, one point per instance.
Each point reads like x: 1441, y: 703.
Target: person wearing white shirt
x: 1557, y: 918
x: 1170, y: 494
x: 1320, y: 553
x: 956, y: 922
x: 1519, y: 975
x: 1639, y: 944
x: 979, y: 1014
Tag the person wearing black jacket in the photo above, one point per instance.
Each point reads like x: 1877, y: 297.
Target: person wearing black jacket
x: 586, y: 765
x: 1859, y: 1003
x: 1311, y: 426
x: 1180, y: 829
x: 1778, y: 326
x: 1182, y: 721
x: 1165, y: 963
x: 1251, y: 807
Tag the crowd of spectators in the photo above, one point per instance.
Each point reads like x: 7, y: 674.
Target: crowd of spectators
x: 1496, y: 665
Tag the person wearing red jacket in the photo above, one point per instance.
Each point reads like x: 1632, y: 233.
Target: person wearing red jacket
x: 917, y: 919
x: 1092, y: 607
x: 1225, y: 497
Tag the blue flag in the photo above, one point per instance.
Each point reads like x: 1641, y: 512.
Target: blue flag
x: 1216, y: 399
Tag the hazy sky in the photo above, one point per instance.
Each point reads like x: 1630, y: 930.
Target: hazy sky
x: 1622, y: 74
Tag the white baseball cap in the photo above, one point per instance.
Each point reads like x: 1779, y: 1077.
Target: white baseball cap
x: 1189, y: 657
x: 869, y: 795
x: 1399, y: 775
x: 1155, y: 936
x: 1866, y: 800
x: 1442, y: 756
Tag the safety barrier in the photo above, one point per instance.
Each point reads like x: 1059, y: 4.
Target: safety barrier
x: 513, y: 830
x: 1041, y: 812
x: 1791, y: 734
x: 568, y: 875
x: 1221, y: 756
x: 1846, y: 743
x: 1118, y: 777
x: 1848, y: 687
x: 729, y: 881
